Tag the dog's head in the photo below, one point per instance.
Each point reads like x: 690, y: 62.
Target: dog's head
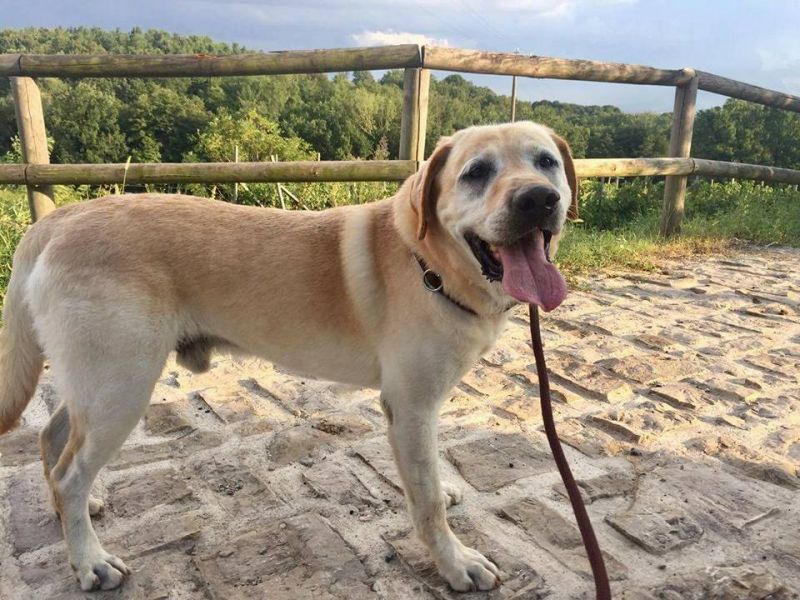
x: 499, y: 196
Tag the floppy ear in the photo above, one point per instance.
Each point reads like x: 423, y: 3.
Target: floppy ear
x: 569, y: 169
x: 425, y: 190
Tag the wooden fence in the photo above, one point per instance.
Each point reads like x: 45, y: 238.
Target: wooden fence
x: 39, y: 176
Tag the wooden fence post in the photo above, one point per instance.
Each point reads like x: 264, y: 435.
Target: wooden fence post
x: 680, y: 146
x: 513, y: 98
x: 236, y: 183
x: 33, y: 139
x: 414, y: 123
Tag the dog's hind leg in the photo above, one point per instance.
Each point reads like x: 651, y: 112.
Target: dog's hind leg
x: 105, y: 375
x: 103, y: 409
x: 52, y: 440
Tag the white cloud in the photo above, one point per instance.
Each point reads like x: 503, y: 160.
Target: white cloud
x: 389, y: 37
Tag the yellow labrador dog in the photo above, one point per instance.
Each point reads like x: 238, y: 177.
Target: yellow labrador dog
x: 403, y: 294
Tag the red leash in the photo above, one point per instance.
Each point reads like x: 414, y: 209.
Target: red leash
x: 584, y: 524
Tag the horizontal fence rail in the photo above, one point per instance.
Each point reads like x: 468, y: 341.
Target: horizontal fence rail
x: 225, y: 172
x: 374, y: 170
x: 417, y: 61
x: 721, y: 169
x: 746, y: 91
x: 379, y: 58
x: 207, y: 65
x: 632, y: 167
x: 544, y: 67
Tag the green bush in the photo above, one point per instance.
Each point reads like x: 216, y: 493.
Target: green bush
x: 744, y: 210
x: 607, y: 206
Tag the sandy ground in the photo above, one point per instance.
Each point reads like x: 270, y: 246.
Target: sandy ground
x: 677, y: 394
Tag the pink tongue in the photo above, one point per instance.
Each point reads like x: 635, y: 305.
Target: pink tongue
x: 528, y: 277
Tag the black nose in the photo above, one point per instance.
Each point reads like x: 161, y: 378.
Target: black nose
x: 535, y: 200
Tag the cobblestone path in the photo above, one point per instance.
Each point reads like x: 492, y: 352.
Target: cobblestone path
x: 677, y: 395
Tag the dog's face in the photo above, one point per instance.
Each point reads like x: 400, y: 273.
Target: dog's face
x: 502, y: 194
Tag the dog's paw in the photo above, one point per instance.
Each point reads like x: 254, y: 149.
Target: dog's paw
x: 96, y: 507
x: 451, y: 494
x: 104, y: 572
x: 468, y: 570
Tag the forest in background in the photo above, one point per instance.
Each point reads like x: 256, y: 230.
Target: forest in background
x: 353, y: 115
x: 340, y: 116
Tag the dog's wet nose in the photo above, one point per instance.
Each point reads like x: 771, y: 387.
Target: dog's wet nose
x: 535, y: 201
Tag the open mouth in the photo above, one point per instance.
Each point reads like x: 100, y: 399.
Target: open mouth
x: 524, y: 267
x: 487, y: 255
x: 489, y: 258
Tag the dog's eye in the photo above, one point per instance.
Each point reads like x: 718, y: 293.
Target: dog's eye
x: 547, y: 162
x: 478, y: 171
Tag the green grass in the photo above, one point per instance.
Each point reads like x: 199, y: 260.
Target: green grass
x: 619, y: 229
x: 14, y: 217
x: 636, y: 247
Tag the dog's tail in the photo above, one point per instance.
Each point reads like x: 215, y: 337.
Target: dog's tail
x: 20, y: 354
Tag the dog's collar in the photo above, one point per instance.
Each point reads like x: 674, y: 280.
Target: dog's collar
x: 433, y: 283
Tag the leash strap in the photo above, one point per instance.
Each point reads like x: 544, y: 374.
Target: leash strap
x: 584, y: 524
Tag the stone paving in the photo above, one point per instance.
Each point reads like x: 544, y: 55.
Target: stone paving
x: 676, y: 393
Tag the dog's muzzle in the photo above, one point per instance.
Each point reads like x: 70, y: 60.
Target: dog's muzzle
x: 531, y: 207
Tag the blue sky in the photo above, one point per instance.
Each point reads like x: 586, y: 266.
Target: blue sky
x: 757, y: 42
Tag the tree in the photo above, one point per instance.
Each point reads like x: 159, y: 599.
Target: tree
x: 161, y: 123
x: 257, y: 137
x: 743, y: 132
x: 85, y: 124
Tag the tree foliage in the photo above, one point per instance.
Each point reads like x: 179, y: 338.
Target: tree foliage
x: 256, y: 137
x: 339, y: 117
x: 744, y: 132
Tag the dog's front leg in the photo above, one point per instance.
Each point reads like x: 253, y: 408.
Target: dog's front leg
x: 412, y: 434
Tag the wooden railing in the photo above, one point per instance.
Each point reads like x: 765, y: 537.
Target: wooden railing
x: 39, y: 176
